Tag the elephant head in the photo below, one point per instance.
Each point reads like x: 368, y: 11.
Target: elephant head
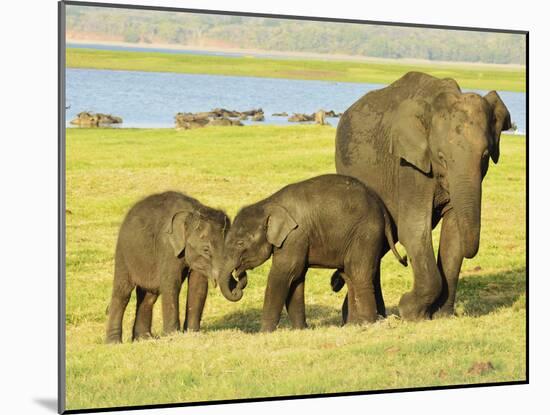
x: 452, y: 137
x: 198, y: 237
x: 256, y: 230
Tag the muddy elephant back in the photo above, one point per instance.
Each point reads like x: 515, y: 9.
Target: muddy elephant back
x: 361, y: 130
x: 362, y: 133
x: 363, y: 136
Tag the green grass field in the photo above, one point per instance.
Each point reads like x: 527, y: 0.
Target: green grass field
x: 468, y: 76
x: 110, y: 169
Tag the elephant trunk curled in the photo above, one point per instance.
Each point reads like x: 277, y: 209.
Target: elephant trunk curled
x: 232, y: 288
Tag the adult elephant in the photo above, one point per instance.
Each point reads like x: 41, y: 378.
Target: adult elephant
x: 424, y: 147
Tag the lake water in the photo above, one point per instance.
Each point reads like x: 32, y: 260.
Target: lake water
x: 152, y: 99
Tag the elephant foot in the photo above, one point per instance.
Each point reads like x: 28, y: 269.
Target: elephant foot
x: 444, y: 312
x: 171, y: 329
x: 191, y: 329
x: 361, y: 321
x: 113, y: 340
x: 299, y: 326
x: 268, y: 327
x: 410, y: 309
x: 142, y: 336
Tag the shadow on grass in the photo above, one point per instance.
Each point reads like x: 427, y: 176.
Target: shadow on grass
x: 480, y: 294
x: 249, y: 320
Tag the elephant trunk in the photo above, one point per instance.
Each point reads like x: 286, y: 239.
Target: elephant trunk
x: 465, y: 194
x: 231, y: 288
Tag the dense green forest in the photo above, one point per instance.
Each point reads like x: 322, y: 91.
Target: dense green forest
x: 141, y: 26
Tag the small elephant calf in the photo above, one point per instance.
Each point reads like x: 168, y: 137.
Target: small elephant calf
x: 330, y: 221
x: 164, y: 239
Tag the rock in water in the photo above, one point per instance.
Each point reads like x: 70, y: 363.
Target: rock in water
x: 90, y: 119
x: 223, y: 122
x: 187, y: 121
x: 300, y: 117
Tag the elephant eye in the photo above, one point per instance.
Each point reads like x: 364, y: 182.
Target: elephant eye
x: 240, y: 244
x: 485, y: 154
x: 206, y: 250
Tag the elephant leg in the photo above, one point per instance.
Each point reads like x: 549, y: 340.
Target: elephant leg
x: 275, y: 295
x: 379, y: 297
x: 348, y: 306
x: 345, y: 310
x: 361, y: 296
x: 380, y: 305
x: 285, y: 268
x: 295, y: 304
x: 144, y: 314
x: 360, y: 266
x: 349, y: 310
x: 122, y: 290
x: 415, y: 233
x: 170, y: 287
x: 415, y: 304
x: 449, y: 262
x: 197, y: 290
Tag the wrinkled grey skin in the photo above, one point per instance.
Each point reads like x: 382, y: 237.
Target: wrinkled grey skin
x: 164, y: 239
x: 424, y: 147
x: 329, y: 221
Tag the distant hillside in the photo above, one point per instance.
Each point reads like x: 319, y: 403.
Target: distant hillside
x: 140, y: 26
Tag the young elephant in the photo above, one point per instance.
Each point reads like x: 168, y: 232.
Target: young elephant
x: 164, y: 239
x: 329, y: 221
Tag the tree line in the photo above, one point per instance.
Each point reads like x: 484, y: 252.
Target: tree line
x: 144, y: 26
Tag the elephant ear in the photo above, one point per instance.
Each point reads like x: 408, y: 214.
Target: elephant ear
x: 409, y: 136
x: 279, y: 225
x: 176, y: 230
x: 501, y: 122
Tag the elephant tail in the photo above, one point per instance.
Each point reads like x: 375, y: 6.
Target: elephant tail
x: 337, y: 281
x: 389, y: 237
